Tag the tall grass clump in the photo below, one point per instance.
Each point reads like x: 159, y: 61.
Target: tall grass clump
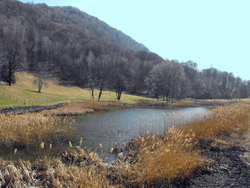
x: 154, y: 161
x: 223, y: 121
x: 173, y: 156
x: 69, y: 109
x: 52, y: 173
x: 29, y: 131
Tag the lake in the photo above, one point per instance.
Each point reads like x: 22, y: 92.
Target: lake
x: 115, y: 127
x: 118, y: 126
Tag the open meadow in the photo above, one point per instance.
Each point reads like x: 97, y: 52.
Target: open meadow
x: 25, y: 93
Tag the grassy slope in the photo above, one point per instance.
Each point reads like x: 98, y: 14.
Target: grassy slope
x: 24, y: 93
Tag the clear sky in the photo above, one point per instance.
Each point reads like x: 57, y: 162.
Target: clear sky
x: 209, y: 32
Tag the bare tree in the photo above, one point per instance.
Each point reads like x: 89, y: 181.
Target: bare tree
x: 154, y: 81
x: 43, y: 52
x: 91, y: 72
x: 119, y: 75
x: 11, y: 49
x: 41, y: 77
x: 102, y: 67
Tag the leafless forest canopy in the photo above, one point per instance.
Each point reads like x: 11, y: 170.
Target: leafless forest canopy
x: 81, y: 50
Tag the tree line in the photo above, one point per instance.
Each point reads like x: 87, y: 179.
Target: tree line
x: 48, y: 41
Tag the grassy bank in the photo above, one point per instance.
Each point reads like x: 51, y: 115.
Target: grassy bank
x: 149, y: 161
x: 24, y: 93
x: 32, y: 131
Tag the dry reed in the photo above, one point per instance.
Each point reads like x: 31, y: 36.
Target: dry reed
x: 29, y: 131
x: 150, y: 161
x: 156, y: 161
x: 69, y: 109
x: 222, y: 122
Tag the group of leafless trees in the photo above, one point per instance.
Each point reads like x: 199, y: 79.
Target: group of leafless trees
x: 83, y: 51
x: 171, y: 80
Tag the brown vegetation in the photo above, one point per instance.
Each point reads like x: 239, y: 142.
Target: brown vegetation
x: 30, y: 130
x: 149, y: 161
x: 223, y: 121
x: 80, y: 108
x: 69, y: 109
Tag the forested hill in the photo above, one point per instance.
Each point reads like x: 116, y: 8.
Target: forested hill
x: 82, y: 50
x: 65, y: 42
x: 52, y: 17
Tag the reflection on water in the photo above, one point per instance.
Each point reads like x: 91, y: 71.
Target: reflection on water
x: 102, y: 131
x: 118, y: 126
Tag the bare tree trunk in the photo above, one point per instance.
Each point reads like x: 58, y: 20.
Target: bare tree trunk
x: 10, y: 75
x: 92, y: 91
x: 119, y: 95
x: 10, y: 72
x: 101, y: 88
x: 100, y: 94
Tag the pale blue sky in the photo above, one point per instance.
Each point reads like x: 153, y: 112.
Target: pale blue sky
x: 209, y: 32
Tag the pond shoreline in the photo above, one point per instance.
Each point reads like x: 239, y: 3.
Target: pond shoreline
x: 227, y: 157
x: 105, y: 106
x: 28, y: 109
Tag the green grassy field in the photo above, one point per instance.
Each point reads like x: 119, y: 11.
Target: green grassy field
x: 24, y: 93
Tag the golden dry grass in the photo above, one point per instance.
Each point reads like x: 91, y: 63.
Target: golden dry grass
x: 223, y: 121
x: 158, y: 161
x: 81, y: 108
x: 29, y: 131
x: 151, y: 161
x: 69, y: 109
x: 44, y: 173
x: 175, y: 155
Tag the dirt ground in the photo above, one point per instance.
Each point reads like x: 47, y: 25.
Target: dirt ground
x: 229, y: 167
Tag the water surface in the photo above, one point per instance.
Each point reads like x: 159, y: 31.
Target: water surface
x: 121, y: 125
x: 117, y: 126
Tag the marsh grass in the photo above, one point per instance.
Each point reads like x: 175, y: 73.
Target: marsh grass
x: 175, y: 155
x: 158, y: 125
x: 69, y: 109
x: 52, y: 173
x: 224, y: 121
x: 31, y: 131
x: 81, y: 108
x: 149, y: 161
x: 156, y: 161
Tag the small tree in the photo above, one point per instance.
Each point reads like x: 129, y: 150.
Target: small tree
x: 43, y: 51
x: 120, y: 73
x: 41, y: 77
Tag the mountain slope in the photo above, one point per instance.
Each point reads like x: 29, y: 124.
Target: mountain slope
x: 71, y: 45
x: 89, y: 25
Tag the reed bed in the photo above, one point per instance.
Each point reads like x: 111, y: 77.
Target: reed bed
x: 80, y: 108
x: 149, y: 161
x: 175, y: 155
x: 102, y: 105
x: 155, y: 161
x: 224, y: 121
x: 69, y: 109
x: 54, y: 173
x: 32, y: 131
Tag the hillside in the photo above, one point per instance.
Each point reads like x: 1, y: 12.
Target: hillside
x: 65, y: 42
x: 24, y: 93
x: 43, y: 16
x: 80, y: 50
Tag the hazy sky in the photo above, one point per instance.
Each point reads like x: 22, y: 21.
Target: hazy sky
x: 210, y: 32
